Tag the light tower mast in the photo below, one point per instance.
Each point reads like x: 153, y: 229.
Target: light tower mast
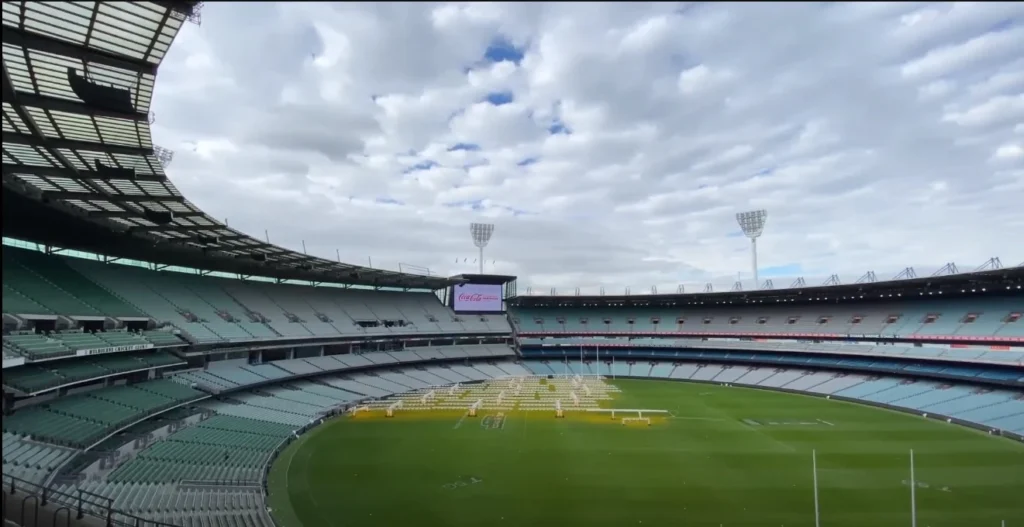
x: 481, y: 235
x: 752, y: 224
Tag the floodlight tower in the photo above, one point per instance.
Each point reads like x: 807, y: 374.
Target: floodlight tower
x: 752, y: 224
x: 481, y: 235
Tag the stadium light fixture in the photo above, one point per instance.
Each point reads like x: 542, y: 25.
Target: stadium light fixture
x: 752, y: 223
x: 481, y: 236
x: 163, y: 155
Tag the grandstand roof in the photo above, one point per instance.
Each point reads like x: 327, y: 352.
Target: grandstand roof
x: 999, y: 280
x: 77, y: 84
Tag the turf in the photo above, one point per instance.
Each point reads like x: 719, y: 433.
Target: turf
x: 705, y: 467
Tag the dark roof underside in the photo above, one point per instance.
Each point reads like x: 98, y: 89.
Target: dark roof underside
x: 77, y: 84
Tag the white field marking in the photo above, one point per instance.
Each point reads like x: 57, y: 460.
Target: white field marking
x: 459, y: 423
x: 758, y: 429
x: 824, y: 421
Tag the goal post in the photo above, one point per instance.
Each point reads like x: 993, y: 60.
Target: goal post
x: 391, y: 409
x: 475, y: 406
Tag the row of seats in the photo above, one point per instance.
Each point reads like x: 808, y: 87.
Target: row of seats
x: 998, y: 409
x: 32, y: 378
x: 299, y: 403
x: 58, y: 344
x: 36, y: 283
x: 1013, y: 356
x: 221, y: 448
x: 982, y: 316
x: 82, y: 419
x: 219, y: 378
x: 170, y: 503
x: 974, y: 372
x: 213, y: 309
x: 31, y: 460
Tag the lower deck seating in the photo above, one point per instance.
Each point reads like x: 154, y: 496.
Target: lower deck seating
x: 80, y: 420
x: 221, y: 448
x: 36, y: 377
x: 31, y: 460
x: 185, y: 507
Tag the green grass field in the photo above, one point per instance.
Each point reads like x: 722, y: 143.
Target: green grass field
x: 704, y: 467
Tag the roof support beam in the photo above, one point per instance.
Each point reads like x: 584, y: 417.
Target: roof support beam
x: 72, y: 144
x: 47, y: 102
x: 113, y: 198
x: 9, y: 168
x: 178, y: 228
x: 121, y: 214
x: 19, y: 37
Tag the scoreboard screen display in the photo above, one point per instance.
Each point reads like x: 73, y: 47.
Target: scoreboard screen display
x: 477, y: 298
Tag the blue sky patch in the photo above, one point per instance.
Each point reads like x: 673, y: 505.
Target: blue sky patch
x: 1002, y: 25
x: 502, y: 50
x: 475, y: 204
x: 468, y: 147
x: 518, y: 212
x: 385, y: 200
x: 558, y: 127
x: 499, y: 98
x: 422, y: 165
x: 527, y: 162
x: 790, y: 269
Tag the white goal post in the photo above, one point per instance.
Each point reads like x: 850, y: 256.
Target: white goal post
x: 475, y: 406
x: 393, y: 407
x: 358, y: 408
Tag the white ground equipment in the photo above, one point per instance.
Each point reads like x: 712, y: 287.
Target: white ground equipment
x: 427, y: 397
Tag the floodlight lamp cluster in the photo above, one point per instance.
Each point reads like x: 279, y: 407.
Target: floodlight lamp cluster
x: 481, y: 233
x: 163, y: 155
x: 752, y: 222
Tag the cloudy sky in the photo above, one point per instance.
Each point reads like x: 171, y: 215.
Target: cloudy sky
x: 610, y: 144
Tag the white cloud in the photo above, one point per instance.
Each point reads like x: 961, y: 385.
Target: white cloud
x: 615, y: 143
x: 1009, y: 152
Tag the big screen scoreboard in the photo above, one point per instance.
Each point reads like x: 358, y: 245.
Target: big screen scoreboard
x: 477, y: 298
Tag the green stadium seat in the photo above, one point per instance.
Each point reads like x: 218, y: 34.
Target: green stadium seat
x: 55, y: 271
x: 38, y: 289
x: 36, y: 346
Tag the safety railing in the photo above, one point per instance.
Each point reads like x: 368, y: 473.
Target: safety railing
x: 78, y: 502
